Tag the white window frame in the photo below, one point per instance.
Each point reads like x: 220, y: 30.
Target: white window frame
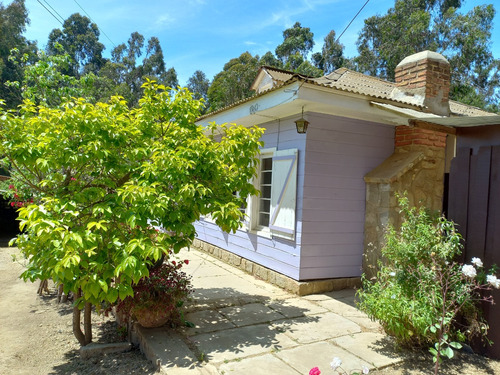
x: 282, y: 220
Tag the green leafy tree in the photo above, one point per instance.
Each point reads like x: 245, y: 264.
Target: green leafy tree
x: 79, y: 38
x: 465, y: 40
x: 415, y: 25
x: 13, y: 22
x: 102, y: 175
x: 268, y: 59
x: 233, y: 83
x: 386, y: 40
x: 45, y: 82
x: 125, y: 76
x: 296, y: 40
x: 199, y: 84
x: 331, y: 56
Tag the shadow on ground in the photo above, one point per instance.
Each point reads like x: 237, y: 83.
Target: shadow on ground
x: 229, y: 323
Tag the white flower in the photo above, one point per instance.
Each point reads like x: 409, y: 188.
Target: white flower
x: 366, y: 370
x: 469, y: 270
x: 493, y: 281
x: 336, y: 363
x: 477, y: 262
x: 392, y: 274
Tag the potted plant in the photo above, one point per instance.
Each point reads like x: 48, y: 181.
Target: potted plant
x: 158, y: 298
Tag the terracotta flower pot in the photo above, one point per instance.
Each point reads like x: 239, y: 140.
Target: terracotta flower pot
x: 151, y: 318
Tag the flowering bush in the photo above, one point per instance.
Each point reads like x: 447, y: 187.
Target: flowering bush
x: 420, y: 291
x: 18, y: 197
x: 163, y: 292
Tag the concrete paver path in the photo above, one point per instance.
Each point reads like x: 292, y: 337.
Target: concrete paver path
x: 243, y: 325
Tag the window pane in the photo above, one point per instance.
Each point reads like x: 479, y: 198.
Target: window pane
x: 266, y: 191
x: 265, y: 205
x: 267, y: 164
x: 264, y: 219
x: 267, y: 177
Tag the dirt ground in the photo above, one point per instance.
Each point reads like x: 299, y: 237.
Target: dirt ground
x: 36, y: 332
x: 36, y: 338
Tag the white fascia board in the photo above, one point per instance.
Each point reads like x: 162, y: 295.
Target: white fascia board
x: 289, y: 100
x: 340, y: 103
x: 261, y: 109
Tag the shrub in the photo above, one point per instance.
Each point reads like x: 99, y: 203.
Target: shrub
x: 163, y: 292
x: 421, y: 296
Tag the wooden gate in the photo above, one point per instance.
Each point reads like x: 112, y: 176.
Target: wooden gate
x: 474, y: 204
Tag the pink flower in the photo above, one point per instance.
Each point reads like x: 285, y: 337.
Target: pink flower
x: 11, y: 187
x: 314, y: 371
x: 12, y: 204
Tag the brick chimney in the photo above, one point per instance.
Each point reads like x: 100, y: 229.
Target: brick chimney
x: 424, y: 78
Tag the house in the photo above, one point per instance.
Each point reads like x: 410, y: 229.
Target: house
x: 327, y: 193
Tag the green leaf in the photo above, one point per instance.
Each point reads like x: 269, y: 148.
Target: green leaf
x: 455, y: 345
x: 448, y: 352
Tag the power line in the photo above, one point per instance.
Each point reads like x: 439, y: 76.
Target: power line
x: 352, y: 21
x: 61, y: 17
x: 47, y: 9
x: 106, y: 35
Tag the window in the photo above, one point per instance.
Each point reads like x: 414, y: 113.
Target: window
x: 274, y: 210
x: 265, y: 180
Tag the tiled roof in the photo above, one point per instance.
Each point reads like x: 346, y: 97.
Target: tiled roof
x: 347, y: 80
x: 358, y: 83
x: 461, y: 109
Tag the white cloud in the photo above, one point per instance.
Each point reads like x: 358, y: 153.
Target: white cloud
x: 164, y: 21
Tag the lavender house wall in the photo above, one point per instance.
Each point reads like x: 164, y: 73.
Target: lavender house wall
x: 339, y: 153
x: 278, y: 254
x: 333, y: 158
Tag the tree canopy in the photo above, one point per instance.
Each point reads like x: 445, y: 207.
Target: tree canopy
x: 79, y: 38
x: 415, y: 25
x: 233, y: 83
x: 103, y: 176
x: 13, y: 22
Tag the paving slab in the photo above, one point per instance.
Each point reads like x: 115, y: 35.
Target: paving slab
x: 206, y: 321
x: 196, y: 369
x: 226, y: 290
x: 296, y: 307
x: 320, y: 354
x: 374, y: 348
x: 266, y: 363
x: 342, y: 307
x: 165, y: 348
x: 317, y: 327
x: 253, y: 313
x: 244, y: 325
x: 241, y: 342
x: 367, y: 324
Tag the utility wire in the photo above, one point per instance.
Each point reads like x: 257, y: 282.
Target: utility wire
x: 352, y: 21
x: 56, y: 12
x: 106, y: 35
x: 47, y: 9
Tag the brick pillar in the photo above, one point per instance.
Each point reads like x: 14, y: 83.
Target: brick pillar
x: 411, y: 136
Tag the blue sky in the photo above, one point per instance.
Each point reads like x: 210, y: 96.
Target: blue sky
x: 205, y: 34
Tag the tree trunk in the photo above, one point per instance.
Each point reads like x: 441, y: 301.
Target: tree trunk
x: 87, y: 323
x: 77, y: 331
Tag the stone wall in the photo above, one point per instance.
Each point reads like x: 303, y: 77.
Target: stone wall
x: 416, y: 168
x: 301, y: 288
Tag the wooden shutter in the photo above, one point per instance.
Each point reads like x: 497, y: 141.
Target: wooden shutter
x: 284, y: 193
